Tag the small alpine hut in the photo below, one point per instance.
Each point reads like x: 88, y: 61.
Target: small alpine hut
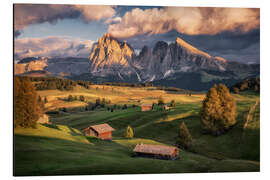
x: 146, y: 107
x: 165, y: 107
x: 156, y: 151
x: 101, y: 131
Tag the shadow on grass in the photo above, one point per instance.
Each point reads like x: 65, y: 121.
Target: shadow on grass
x: 73, y: 132
x: 53, y: 126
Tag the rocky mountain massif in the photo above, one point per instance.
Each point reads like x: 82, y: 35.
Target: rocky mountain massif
x: 111, y: 57
x: 177, y: 64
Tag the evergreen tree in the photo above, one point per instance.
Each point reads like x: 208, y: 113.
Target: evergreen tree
x: 82, y: 98
x: 103, y: 101
x: 236, y: 90
x: 45, y: 100
x: 39, y: 99
x: 184, y: 138
x: 97, y: 101
x: 218, y: 111
x: 161, y: 101
x: 124, y: 106
x: 27, y: 109
x: 70, y: 98
x: 129, y: 132
x: 173, y: 103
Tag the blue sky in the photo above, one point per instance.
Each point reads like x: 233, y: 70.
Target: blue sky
x: 67, y: 27
x: 232, y: 33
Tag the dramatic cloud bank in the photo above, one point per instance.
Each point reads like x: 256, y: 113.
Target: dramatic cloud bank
x: 27, y: 14
x: 187, y: 20
x: 51, y: 47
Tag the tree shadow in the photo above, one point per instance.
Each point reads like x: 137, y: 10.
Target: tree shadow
x: 53, y: 126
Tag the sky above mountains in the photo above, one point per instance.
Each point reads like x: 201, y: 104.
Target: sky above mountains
x: 70, y: 30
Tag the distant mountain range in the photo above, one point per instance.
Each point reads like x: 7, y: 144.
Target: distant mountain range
x: 177, y: 64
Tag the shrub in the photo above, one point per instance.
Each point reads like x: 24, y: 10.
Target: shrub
x: 184, y: 138
x: 218, y: 111
x: 129, y: 132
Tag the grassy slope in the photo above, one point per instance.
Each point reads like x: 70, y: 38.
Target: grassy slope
x: 40, y: 152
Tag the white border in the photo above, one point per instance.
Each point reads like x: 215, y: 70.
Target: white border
x: 6, y: 86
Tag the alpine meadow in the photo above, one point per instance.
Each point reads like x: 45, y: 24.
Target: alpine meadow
x: 102, y: 89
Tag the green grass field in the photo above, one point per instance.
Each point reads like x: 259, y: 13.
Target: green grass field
x: 61, y: 148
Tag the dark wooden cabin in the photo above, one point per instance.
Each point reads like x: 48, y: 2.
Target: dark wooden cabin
x: 101, y: 131
x: 156, y: 151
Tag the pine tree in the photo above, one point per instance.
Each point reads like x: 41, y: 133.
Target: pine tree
x: 129, y: 132
x: 70, y: 98
x: 82, y: 98
x: 39, y: 99
x: 172, y: 103
x: 45, y: 100
x: 184, y: 138
x: 161, y: 100
x: 218, y: 111
x: 27, y: 109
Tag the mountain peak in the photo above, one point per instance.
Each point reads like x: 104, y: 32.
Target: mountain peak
x: 191, y: 48
x: 105, y: 38
x: 109, y: 55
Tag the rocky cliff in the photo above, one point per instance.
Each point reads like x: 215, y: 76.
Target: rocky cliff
x: 109, y: 56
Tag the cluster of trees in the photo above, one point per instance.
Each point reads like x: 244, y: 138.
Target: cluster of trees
x: 161, y: 101
x: 27, y: 107
x: 252, y: 84
x: 48, y: 83
x: 54, y: 83
x: 218, y: 115
x: 124, y: 84
x: 85, y: 84
x: 218, y: 112
x: 75, y: 98
x: 174, y: 89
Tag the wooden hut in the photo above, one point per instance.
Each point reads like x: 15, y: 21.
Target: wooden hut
x: 156, y: 151
x: 146, y: 107
x: 101, y: 131
x: 165, y: 107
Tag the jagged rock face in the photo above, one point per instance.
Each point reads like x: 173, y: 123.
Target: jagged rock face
x: 165, y: 60
x: 109, y: 56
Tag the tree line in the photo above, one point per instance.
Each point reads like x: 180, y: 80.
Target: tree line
x: 252, y: 84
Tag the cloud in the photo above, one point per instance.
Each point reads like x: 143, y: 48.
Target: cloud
x: 52, y: 46
x: 27, y: 14
x: 187, y: 20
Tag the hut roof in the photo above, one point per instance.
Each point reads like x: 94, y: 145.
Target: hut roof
x: 101, y: 128
x: 146, y: 105
x: 154, y: 149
